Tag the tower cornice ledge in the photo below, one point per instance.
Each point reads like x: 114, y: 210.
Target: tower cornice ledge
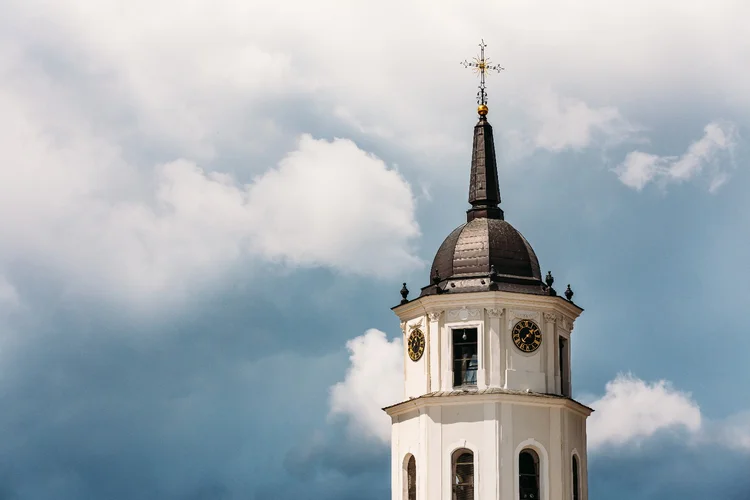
x: 490, y: 395
x: 433, y: 303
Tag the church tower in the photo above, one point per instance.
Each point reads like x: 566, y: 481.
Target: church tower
x: 488, y: 413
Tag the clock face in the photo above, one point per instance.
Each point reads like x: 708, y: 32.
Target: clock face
x: 416, y: 344
x: 527, y: 336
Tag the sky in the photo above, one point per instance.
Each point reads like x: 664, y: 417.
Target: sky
x: 207, y: 210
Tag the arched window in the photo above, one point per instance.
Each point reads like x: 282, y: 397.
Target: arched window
x: 528, y: 475
x: 576, y: 483
x: 463, y: 475
x: 411, y: 479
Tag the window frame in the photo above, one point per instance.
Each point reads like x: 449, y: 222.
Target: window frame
x: 447, y: 351
x: 575, y: 463
x: 405, y: 476
x: 453, y: 464
x: 454, y: 360
x: 537, y: 471
x: 541, y: 452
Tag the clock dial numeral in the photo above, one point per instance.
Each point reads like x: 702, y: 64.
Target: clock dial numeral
x: 527, y: 336
x: 415, y: 344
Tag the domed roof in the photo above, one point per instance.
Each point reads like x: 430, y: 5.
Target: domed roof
x: 479, y: 245
x: 469, y: 255
x: 486, y: 253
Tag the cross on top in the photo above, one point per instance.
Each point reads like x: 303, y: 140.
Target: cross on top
x: 481, y: 65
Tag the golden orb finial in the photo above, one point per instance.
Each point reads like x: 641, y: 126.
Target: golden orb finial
x: 483, y: 110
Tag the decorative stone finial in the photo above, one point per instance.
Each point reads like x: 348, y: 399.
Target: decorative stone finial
x: 436, y: 281
x: 493, y: 278
x: 569, y: 293
x: 549, y: 280
x: 404, y: 294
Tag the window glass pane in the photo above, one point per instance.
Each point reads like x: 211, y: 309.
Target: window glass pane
x: 463, y: 476
x: 411, y: 473
x: 528, y: 475
x: 465, y: 361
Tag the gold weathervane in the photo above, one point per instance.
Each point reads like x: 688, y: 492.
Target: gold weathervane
x: 481, y: 66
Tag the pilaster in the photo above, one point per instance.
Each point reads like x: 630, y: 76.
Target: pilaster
x: 494, y: 336
x: 507, y: 447
x: 556, y: 455
x: 433, y: 351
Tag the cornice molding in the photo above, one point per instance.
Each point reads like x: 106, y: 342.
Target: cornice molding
x: 461, y: 399
x: 486, y: 300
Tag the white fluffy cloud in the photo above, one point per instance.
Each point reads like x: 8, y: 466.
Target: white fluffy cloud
x: 632, y: 410
x: 72, y: 204
x: 639, y: 169
x: 330, y: 203
x: 566, y: 123
x: 196, y: 75
x: 374, y: 380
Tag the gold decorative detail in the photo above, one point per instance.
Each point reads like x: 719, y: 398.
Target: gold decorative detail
x: 527, y: 336
x: 415, y: 344
x: 481, y: 65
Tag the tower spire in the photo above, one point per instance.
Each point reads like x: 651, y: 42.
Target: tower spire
x: 484, y: 189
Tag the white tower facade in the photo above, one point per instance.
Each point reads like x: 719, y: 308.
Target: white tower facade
x: 487, y: 412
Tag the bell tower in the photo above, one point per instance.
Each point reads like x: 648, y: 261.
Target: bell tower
x: 487, y: 411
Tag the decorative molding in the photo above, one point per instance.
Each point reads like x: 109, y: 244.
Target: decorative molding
x: 566, y: 324
x: 403, y: 327
x: 416, y: 324
x: 551, y: 317
x: 495, y: 312
x: 514, y: 315
x: 477, y: 282
x: 463, y: 314
x: 435, y: 316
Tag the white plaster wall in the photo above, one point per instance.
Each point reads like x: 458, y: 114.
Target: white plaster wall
x: 501, y: 364
x: 496, y: 432
x: 416, y: 373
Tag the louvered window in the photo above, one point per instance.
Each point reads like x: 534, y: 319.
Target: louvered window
x: 528, y: 475
x: 463, y: 475
x: 411, y: 479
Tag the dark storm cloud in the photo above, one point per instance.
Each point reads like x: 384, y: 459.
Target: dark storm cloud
x: 98, y: 403
x: 665, y: 468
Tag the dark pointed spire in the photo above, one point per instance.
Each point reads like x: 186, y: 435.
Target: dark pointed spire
x: 484, y: 190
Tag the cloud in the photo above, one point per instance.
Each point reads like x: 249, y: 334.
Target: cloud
x: 71, y: 203
x: 373, y: 380
x: 632, y: 410
x: 224, y: 76
x: 639, y: 169
x: 9, y: 298
x: 330, y: 203
x: 566, y: 123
